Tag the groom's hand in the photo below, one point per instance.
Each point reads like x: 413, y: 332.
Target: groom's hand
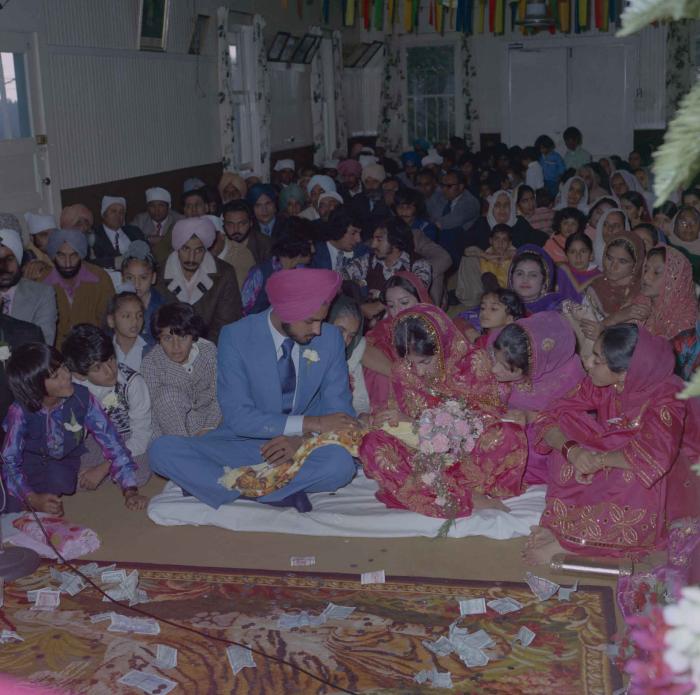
x: 335, y: 422
x: 281, y: 450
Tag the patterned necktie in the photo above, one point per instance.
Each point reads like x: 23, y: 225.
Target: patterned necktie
x: 447, y: 209
x: 116, y: 244
x: 288, y: 376
x: 159, y: 226
x: 339, y: 262
x: 4, y: 305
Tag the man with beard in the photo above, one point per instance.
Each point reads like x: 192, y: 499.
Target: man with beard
x: 282, y: 376
x: 20, y: 298
x: 192, y: 275
x: 370, y: 203
x: 245, y: 245
x: 83, y: 290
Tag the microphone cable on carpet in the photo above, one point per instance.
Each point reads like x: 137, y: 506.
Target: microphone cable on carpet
x: 140, y: 611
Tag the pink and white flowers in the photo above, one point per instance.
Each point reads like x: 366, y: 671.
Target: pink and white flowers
x: 449, y: 429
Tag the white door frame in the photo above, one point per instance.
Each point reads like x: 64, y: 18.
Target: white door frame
x: 629, y: 45
x: 28, y: 44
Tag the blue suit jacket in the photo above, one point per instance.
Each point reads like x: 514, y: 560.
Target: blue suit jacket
x: 249, y: 390
x: 322, y: 256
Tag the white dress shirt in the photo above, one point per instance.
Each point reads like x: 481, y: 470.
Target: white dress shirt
x: 294, y: 427
x: 113, y: 234
x: 134, y: 357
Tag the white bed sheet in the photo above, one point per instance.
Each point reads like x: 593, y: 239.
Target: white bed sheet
x: 352, y: 511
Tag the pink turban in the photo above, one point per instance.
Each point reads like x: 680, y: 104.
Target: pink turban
x: 71, y: 214
x: 350, y: 167
x: 200, y: 227
x: 297, y: 294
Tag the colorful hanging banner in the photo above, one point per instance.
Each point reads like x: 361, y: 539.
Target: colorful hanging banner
x: 379, y: 14
x: 350, y: 13
x: 408, y: 15
x: 326, y: 10
x: 390, y: 11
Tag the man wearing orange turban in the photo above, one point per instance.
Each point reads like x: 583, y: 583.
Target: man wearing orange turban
x: 282, y: 375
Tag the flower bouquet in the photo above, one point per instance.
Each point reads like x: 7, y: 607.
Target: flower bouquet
x: 450, y: 428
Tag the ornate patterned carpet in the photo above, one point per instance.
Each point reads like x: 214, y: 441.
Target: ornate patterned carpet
x: 378, y: 649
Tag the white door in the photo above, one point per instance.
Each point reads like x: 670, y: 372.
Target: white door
x: 25, y: 181
x: 537, y: 94
x: 600, y: 98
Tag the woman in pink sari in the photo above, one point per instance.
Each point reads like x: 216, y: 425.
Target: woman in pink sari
x: 618, y: 453
x: 402, y: 291
x: 437, y: 369
x: 536, y: 357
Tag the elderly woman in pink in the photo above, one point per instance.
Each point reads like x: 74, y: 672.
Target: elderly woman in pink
x: 618, y: 453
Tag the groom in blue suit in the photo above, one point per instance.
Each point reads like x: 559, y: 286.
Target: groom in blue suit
x: 282, y: 375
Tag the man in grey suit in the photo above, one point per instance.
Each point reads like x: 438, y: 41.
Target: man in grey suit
x: 20, y: 298
x: 158, y: 219
x: 460, y: 212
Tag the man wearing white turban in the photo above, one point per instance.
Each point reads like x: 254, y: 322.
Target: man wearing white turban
x: 112, y: 237
x: 158, y: 219
x: 193, y: 275
x: 20, y: 298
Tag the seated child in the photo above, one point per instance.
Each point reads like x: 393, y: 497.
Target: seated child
x: 498, y: 308
x: 125, y: 318
x: 139, y: 271
x: 45, y: 432
x: 497, y: 257
x: 122, y: 393
x: 180, y: 372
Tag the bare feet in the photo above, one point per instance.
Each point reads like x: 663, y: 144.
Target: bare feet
x: 483, y: 502
x: 541, y: 547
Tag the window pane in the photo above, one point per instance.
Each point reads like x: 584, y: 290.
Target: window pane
x: 431, y: 92
x: 14, y: 105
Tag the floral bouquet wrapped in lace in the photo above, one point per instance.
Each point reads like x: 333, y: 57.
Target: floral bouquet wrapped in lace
x: 450, y: 428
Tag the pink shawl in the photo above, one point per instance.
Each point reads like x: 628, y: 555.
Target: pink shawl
x: 675, y: 309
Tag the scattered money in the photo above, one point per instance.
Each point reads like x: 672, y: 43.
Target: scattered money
x: 73, y: 585
x: 92, y: 569
x: 333, y: 612
x: 239, y: 658
x: 505, y: 605
x: 541, y: 587
x: 302, y: 561
x: 564, y: 593
x: 472, y: 657
x: 99, y: 617
x: 166, y: 657
x: 139, y: 626
x: 46, y: 600
x: 373, y: 577
x: 9, y: 636
x: 2, y: 592
x: 289, y: 621
x: 113, y: 577
x: 439, y: 680
x: 525, y: 636
x: 472, y: 606
x: 440, y: 647
x: 148, y: 682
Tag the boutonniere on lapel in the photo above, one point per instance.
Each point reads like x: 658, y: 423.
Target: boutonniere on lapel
x: 5, y: 353
x: 75, y: 427
x: 310, y: 356
x: 110, y: 401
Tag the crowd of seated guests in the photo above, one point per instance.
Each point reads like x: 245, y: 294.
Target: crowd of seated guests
x: 573, y: 285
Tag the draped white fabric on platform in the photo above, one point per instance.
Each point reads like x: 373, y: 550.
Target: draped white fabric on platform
x: 341, y: 126
x: 351, y: 511
x: 261, y: 100
x: 318, y: 100
x: 392, y: 117
x: 225, y: 94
